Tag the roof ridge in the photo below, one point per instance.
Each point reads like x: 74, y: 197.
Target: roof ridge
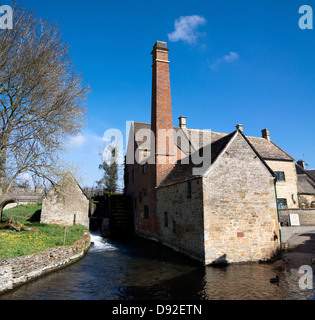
x: 281, y: 149
x: 268, y: 150
x: 305, y: 172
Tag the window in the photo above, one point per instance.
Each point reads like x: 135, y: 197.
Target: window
x: 282, y: 203
x: 146, y: 212
x: 174, y: 226
x: 144, y: 168
x: 280, y: 175
x: 189, y: 189
x: 140, y: 196
x: 165, y: 219
x: 133, y: 176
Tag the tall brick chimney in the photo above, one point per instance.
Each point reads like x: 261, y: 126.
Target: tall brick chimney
x: 161, y: 116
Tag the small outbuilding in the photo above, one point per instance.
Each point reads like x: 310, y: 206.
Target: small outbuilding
x: 66, y: 204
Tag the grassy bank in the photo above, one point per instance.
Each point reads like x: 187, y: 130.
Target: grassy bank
x: 17, y: 244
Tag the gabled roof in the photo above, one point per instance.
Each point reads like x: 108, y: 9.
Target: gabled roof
x: 306, y: 182
x: 183, y: 170
x: 311, y: 173
x: 197, y: 139
x: 268, y: 150
x: 68, y: 177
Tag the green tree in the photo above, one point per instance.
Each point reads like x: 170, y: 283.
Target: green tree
x: 110, y: 167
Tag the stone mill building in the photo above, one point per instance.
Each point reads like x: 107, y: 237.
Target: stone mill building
x: 223, y: 209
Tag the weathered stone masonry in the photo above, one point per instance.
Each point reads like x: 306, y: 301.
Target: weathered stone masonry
x: 227, y: 215
x: 17, y: 271
x: 180, y: 218
x: 240, y: 215
x: 66, y: 204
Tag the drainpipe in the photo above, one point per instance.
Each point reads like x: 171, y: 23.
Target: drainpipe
x: 278, y: 211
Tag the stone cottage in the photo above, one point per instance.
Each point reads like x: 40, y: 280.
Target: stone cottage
x: 65, y: 204
x: 222, y: 209
x: 306, y: 185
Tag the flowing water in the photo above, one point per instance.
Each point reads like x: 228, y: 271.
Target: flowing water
x: 143, y: 270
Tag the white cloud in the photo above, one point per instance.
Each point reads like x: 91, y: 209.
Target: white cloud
x: 77, y: 141
x: 230, y: 58
x: 185, y: 29
x: 233, y: 56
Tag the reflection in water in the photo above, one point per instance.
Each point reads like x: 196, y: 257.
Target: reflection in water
x: 144, y: 270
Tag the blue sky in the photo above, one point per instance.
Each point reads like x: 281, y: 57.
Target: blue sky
x: 232, y: 62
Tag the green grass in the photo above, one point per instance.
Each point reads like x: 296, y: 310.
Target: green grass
x: 16, y: 244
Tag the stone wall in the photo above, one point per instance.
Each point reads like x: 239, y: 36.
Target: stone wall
x: 241, y: 220
x: 175, y: 204
x: 286, y: 189
x: 307, y: 216
x: 65, y: 204
x: 17, y: 271
x: 307, y: 200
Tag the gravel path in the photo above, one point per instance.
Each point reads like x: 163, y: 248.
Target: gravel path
x: 299, y: 239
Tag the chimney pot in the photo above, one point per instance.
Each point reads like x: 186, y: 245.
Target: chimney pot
x: 301, y: 163
x: 182, y: 122
x: 266, y: 134
x: 240, y: 127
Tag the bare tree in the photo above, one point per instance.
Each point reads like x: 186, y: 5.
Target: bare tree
x: 42, y: 99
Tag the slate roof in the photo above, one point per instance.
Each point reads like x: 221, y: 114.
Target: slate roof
x: 305, y: 184
x: 311, y: 173
x: 268, y: 150
x: 306, y: 181
x: 183, y: 170
x: 203, y: 141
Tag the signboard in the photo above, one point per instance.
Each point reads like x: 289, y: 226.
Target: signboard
x: 294, y: 219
